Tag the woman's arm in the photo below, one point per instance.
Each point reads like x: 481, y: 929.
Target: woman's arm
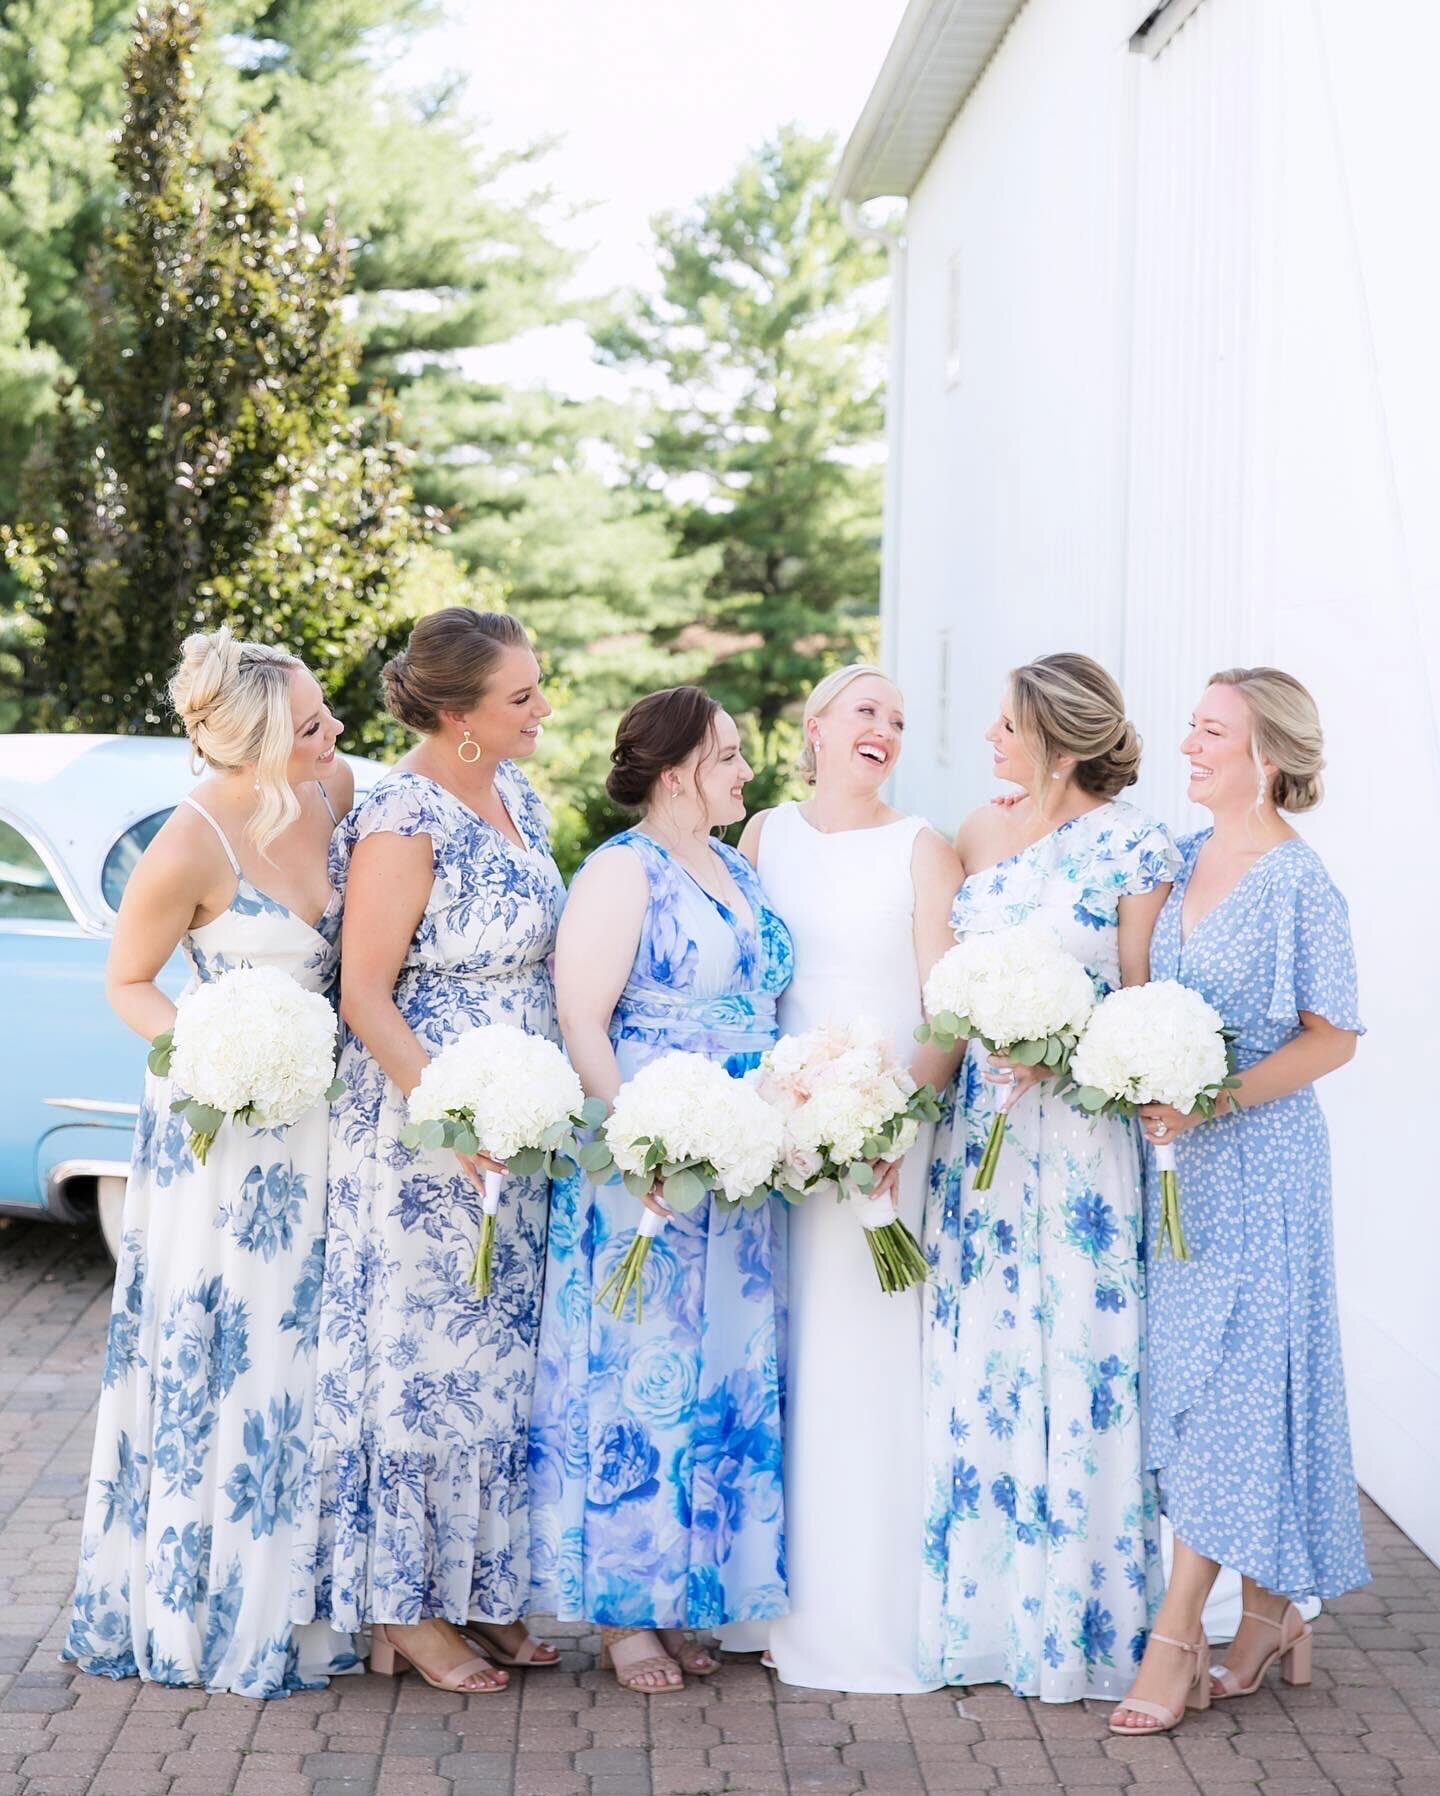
x: 1318, y: 1049
x: 183, y: 871
x: 1137, y: 919
x: 750, y: 838
x: 385, y: 897
x: 938, y: 874
x: 594, y: 952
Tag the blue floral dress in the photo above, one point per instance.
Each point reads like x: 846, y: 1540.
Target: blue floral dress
x: 655, y: 1449
x: 208, y: 1387
x: 1245, y: 1392
x: 1042, y: 1567
x: 415, y: 1498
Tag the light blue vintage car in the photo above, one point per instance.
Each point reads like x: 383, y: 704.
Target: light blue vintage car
x: 75, y: 815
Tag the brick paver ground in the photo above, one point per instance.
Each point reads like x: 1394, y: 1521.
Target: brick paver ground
x: 1370, y: 1725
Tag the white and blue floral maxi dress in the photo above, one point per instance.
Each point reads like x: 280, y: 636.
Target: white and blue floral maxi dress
x: 1042, y: 1567
x: 415, y: 1498
x: 208, y: 1388
x: 655, y: 1448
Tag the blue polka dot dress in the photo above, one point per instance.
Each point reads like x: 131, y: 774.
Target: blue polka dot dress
x: 1245, y: 1400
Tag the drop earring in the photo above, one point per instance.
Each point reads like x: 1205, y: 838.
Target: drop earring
x: 472, y: 745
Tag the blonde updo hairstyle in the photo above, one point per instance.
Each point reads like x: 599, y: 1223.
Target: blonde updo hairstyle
x: 1067, y: 704
x: 820, y: 700
x: 233, y: 699
x: 448, y: 664
x: 1285, y: 731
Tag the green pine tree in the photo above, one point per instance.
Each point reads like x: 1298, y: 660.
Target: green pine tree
x: 209, y: 467
x: 769, y: 333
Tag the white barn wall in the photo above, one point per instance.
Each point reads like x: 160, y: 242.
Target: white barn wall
x: 1196, y: 426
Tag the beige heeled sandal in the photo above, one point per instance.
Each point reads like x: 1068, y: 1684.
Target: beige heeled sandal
x: 637, y: 1663
x: 1197, y: 1694
x: 387, y: 1656
x: 1294, y: 1654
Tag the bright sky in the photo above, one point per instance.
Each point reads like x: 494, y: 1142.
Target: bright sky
x: 654, y: 102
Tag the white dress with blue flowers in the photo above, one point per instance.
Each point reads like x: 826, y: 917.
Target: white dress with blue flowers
x: 415, y: 1498
x: 1041, y: 1559
x: 655, y: 1448
x: 1245, y: 1391
x: 208, y: 1387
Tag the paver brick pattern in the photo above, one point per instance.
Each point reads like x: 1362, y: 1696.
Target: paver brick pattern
x: 1369, y: 1725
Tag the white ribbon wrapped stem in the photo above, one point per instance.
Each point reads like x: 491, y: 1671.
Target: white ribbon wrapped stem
x: 875, y: 1212
x: 651, y: 1224
x: 490, y: 1197
x: 1164, y: 1155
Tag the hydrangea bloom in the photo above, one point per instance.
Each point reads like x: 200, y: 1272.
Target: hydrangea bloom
x: 702, y: 1118
x: 1152, y: 1044
x: 513, y: 1088
x: 1011, y: 985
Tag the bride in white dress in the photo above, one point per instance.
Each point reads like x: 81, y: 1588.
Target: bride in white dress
x: 867, y: 894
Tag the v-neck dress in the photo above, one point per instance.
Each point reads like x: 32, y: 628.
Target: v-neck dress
x: 415, y: 1497
x: 1245, y: 1412
x: 655, y: 1449
x: 208, y: 1387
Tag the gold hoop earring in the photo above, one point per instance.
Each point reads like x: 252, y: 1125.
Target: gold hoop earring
x: 474, y: 747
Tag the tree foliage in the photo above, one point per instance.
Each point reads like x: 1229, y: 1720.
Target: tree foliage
x: 209, y: 466
x: 768, y: 332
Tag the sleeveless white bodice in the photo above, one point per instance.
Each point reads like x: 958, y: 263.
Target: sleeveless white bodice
x: 849, y: 899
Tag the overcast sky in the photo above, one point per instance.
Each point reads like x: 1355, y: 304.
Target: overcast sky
x: 654, y: 101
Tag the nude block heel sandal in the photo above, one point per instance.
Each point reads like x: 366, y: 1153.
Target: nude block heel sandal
x: 388, y: 1660
x: 1294, y: 1654
x: 1197, y: 1694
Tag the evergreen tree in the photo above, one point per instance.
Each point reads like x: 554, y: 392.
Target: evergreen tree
x: 768, y: 331
x: 209, y: 467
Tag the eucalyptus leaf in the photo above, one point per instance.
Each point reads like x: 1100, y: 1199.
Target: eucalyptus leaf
x: 593, y: 1112
x: 861, y: 1177
x: 526, y: 1160
x: 684, y: 1189
x: 432, y: 1133
x: 636, y: 1183
x: 464, y: 1139
x: 922, y: 1032
x: 594, y: 1156
x: 204, y: 1119
x: 335, y: 1091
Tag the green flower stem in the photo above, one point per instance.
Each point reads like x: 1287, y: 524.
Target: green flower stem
x: 1170, y: 1215
x: 484, y: 1257
x: 985, y: 1175
x: 628, y: 1276
x: 897, y: 1258
x: 200, y: 1145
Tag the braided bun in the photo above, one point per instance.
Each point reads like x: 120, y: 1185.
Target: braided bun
x: 1113, y: 769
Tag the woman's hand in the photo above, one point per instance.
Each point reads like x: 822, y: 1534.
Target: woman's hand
x: 654, y: 1200
x: 887, y: 1181
x: 1164, y: 1124
x: 475, y: 1166
x: 1013, y: 1078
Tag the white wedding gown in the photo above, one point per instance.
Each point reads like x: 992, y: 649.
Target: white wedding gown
x: 854, y: 1498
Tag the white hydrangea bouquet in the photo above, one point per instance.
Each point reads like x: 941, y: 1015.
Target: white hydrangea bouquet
x: 501, y: 1091
x: 1153, y: 1044
x: 250, y: 1046
x: 847, y: 1100
x: 684, y: 1124
x: 1019, y: 993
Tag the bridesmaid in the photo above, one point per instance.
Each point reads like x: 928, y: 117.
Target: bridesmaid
x: 209, y: 1379
x: 1042, y: 1567
x: 416, y: 1499
x: 861, y: 953
x: 655, y: 1446
x: 1245, y: 1405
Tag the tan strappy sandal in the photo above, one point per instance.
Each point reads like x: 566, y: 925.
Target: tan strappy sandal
x: 637, y: 1663
x: 1294, y: 1655
x: 1197, y: 1694
x: 690, y: 1654
x: 527, y: 1654
x: 387, y: 1656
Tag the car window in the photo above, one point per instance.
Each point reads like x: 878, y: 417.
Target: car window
x: 121, y: 860
x: 27, y: 892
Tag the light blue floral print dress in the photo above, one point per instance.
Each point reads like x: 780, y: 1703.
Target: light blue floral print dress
x: 208, y: 1387
x: 1245, y: 1393
x: 1042, y: 1568
x: 655, y: 1449
x: 415, y: 1498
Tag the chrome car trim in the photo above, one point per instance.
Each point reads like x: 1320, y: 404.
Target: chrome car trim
x: 57, y: 1204
x: 56, y: 868
x: 98, y: 1106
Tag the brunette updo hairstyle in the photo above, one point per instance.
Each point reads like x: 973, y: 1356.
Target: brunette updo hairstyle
x: 1285, y: 731
x: 448, y: 664
x: 658, y: 731
x: 1067, y: 704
